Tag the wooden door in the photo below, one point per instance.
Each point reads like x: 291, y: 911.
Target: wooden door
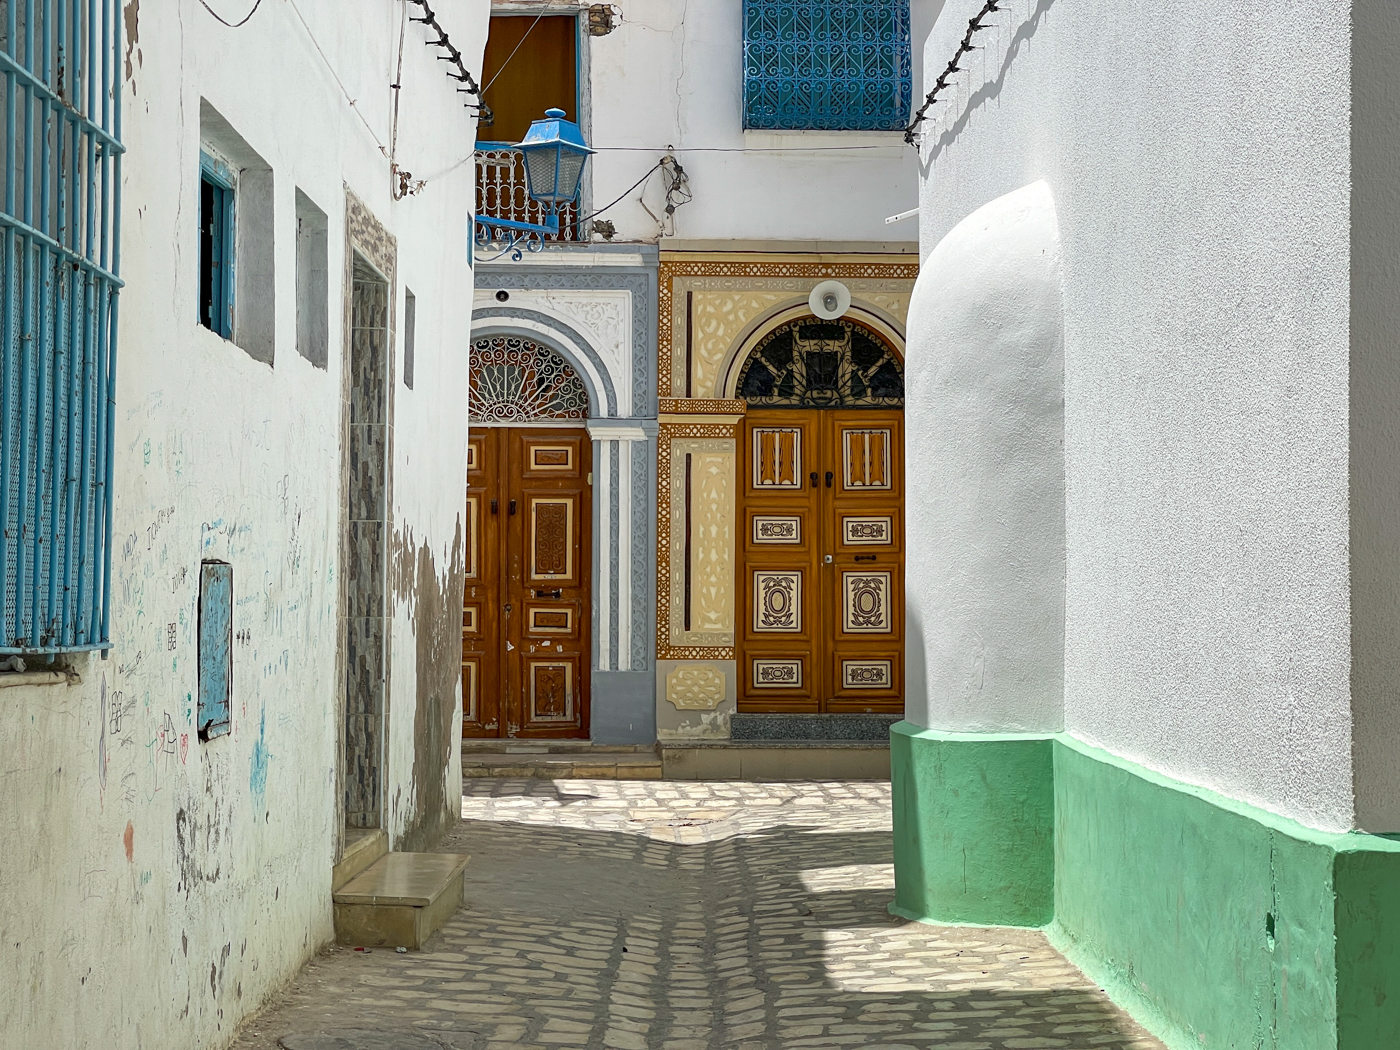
x: 481, y: 600
x: 823, y: 574
x: 532, y: 653
x: 865, y: 581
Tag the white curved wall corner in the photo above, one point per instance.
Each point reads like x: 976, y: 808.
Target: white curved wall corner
x: 985, y: 513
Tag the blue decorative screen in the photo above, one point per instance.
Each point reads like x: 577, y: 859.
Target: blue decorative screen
x: 827, y: 65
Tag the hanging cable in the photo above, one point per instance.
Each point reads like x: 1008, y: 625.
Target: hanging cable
x: 974, y: 25
x: 334, y: 75
x: 232, y: 25
x: 401, y: 183
x: 518, y: 46
x: 576, y: 223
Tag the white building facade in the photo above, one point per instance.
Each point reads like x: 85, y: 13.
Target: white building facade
x: 704, y: 224
x: 1154, y: 614
x: 287, y: 453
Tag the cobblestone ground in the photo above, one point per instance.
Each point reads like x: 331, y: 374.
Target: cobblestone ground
x: 691, y: 916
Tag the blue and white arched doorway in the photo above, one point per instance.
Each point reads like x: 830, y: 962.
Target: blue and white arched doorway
x: 526, y: 605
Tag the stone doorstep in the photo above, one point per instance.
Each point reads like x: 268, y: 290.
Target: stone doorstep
x: 564, y: 767
x: 363, y: 846
x: 400, y: 900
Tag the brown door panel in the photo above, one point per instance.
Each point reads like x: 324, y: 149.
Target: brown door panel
x: 548, y: 651
x: 526, y: 646
x: 842, y: 531
x: 481, y: 621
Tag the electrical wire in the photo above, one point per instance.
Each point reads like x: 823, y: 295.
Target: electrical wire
x: 232, y: 25
x: 340, y: 83
x: 518, y: 46
x: 577, y: 222
x: 732, y: 149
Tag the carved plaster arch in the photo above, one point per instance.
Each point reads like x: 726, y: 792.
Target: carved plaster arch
x: 865, y: 314
x: 527, y: 324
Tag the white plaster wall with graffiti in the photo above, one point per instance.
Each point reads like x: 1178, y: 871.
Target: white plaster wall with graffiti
x: 158, y: 886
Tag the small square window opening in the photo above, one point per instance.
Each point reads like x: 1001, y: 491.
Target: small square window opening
x: 410, y: 319
x: 216, y: 240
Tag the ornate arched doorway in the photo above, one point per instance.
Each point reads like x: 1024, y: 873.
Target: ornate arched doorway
x: 526, y: 643
x: 822, y: 494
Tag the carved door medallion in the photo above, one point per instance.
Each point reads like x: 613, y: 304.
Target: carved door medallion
x: 823, y: 565
x: 525, y: 617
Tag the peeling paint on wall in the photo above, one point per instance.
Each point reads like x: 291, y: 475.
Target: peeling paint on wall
x: 434, y: 603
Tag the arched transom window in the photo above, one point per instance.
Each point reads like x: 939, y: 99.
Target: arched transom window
x: 516, y: 380
x: 809, y: 363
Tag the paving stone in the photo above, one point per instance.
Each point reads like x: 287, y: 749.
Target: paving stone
x: 655, y: 915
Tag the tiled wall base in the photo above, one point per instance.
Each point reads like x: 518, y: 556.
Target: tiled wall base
x: 1216, y: 924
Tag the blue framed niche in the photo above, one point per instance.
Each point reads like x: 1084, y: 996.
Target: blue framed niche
x: 827, y: 65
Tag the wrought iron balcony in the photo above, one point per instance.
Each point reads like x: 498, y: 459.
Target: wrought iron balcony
x: 501, y: 194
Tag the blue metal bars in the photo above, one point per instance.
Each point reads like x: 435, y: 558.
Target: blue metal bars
x: 827, y: 65
x: 60, y: 103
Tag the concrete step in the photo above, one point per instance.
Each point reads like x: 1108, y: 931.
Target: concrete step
x: 775, y: 760
x: 363, y: 846
x: 399, y: 900
x: 550, y: 761
x: 570, y: 766
x: 809, y: 728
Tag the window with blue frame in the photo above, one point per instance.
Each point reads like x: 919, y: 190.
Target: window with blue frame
x: 59, y: 233
x: 216, y: 239
x: 827, y: 65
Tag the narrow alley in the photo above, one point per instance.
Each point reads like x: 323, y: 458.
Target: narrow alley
x: 686, y: 916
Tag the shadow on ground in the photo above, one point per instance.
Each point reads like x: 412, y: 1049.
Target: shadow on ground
x: 757, y: 930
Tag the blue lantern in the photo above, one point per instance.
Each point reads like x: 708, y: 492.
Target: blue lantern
x: 554, y: 153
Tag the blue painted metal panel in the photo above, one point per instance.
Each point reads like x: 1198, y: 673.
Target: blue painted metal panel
x: 827, y: 65
x: 215, y: 647
x: 60, y: 93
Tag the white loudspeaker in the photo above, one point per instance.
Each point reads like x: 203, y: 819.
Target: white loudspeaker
x: 829, y: 300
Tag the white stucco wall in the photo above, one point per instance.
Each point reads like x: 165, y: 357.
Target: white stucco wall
x: 985, y: 511
x: 1203, y: 213
x: 156, y: 888
x: 671, y: 74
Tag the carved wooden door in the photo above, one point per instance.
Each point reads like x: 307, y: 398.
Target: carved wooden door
x: 823, y: 573
x: 535, y: 654
x: 863, y: 490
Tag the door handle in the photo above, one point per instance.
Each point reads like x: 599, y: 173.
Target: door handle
x: 495, y: 506
x: 558, y: 592
x: 507, y: 608
x: 829, y: 476
x: 814, y: 479
x: 512, y: 506
x: 865, y: 557
x: 827, y: 559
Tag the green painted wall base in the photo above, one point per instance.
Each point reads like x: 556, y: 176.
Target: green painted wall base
x: 974, y: 827
x: 1218, y: 925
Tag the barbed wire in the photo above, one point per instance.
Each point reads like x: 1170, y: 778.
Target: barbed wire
x: 975, y: 24
x: 454, y: 56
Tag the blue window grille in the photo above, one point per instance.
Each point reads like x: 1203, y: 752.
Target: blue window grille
x: 60, y: 63
x: 215, y: 245
x: 827, y: 65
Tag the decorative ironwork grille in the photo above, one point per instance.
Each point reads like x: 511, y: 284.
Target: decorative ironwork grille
x: 827, y: 65
x: 501, y: 193
x: 821, y: 364
x: 515, y: 381
x: 60, y: 77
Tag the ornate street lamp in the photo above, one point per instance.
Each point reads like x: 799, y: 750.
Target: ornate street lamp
x: 554, y: 153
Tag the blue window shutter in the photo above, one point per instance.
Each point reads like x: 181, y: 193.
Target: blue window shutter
x: 59, y: 234
x: 827, y: 65
x: 215, y: 647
